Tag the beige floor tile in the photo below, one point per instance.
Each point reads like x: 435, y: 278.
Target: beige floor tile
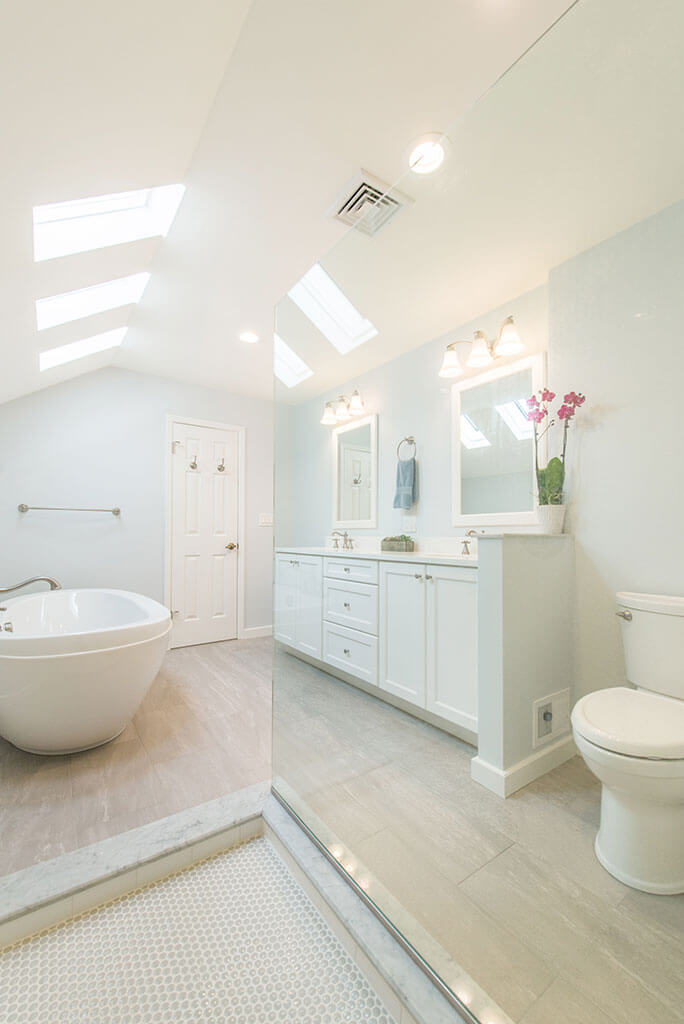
x: 562, y: 1003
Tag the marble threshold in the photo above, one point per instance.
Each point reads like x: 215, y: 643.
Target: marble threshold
x: 63, y: 885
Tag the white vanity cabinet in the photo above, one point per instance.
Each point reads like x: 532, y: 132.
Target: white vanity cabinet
x: 298, y: 602
x: 402, y: 630
x: 428, y: 638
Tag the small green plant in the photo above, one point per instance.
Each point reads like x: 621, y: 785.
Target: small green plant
x: 551, y: 478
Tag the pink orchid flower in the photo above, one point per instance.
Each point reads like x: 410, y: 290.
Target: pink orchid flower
x: 533, y: 402
x: 547, y: 396
x: 573, y: 399
x: 566, y: 412
x: 536, y: 415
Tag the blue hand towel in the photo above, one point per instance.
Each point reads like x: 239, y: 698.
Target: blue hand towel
x: 405, y: 495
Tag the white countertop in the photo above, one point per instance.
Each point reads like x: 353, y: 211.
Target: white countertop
x: 420, y: 557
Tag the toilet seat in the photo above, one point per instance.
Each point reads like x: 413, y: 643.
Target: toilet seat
x: 632, y: 722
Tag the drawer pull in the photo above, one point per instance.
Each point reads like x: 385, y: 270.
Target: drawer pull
x: 346, y: 604
x: 346, y: 568
x: 347, y: 651
x: 418, y: 576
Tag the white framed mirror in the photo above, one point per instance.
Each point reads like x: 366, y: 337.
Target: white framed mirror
x: 492, y: 446
x: 355, y: 474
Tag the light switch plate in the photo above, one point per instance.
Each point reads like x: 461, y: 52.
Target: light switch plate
x: 409, y: 524
x: 265, y: 519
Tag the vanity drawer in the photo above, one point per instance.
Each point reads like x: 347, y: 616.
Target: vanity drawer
x: 356, y: 570
x: 351, y: 604
x: 354, y: 652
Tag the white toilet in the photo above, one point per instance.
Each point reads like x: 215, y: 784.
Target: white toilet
x: 633, y: 742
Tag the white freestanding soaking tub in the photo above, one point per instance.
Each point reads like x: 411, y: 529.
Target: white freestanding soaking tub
x: 75, y: 665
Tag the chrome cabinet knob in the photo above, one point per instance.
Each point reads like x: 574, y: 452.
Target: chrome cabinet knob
x: 626, y: 615
x: 231, y: 546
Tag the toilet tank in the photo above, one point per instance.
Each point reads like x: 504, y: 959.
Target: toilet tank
x: 653, y: 639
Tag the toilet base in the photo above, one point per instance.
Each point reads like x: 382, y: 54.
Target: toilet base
x: 641, y: 842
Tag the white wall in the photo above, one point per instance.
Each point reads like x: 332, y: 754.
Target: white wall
x: 616, y: 314
x: 612, y: 319
x: 99, y: 440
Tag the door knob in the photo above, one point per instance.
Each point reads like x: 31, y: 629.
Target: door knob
x: 231, y: 546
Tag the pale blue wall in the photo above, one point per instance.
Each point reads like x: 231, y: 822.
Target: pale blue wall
x: 99, y: 440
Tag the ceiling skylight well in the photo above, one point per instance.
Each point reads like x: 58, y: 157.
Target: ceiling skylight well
x: 77, y: 349
x: 61, y: 229
x: 471, y: 437
x: 329, y: 309
x: 514, y: 415
x: 61, y: 309
x: 287, y: 366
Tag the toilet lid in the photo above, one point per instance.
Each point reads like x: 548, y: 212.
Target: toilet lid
x: 632, y: 722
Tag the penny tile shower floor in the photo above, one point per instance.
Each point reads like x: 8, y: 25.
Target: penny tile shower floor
x: 232, y: 939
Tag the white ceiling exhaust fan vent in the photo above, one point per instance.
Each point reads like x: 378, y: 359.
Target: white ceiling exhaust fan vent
x: 367, y: 203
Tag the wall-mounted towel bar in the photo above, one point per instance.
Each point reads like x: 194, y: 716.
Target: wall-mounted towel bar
x: 58, y: 508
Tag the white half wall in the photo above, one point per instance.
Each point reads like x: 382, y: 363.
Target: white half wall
x: 100, y: 441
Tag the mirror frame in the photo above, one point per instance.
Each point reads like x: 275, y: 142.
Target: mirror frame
x: 357, y: 524
x: 536, y: 363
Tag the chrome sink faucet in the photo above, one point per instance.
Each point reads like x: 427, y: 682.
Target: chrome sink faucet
x: 347, y: 541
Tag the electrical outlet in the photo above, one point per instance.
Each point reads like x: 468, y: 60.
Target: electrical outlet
x: 409, y: 523
x: 550, y: 717
x: 265, y: 519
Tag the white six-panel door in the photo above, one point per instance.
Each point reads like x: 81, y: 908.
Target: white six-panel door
x: 204, y: 510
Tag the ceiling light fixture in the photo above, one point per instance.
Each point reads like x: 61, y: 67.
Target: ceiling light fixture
x: 483, y: 350
x: 250, y: 337
x: 427, y: 154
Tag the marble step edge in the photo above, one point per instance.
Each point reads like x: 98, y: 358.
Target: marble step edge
x: 405, y: 987
x: 46, y: 893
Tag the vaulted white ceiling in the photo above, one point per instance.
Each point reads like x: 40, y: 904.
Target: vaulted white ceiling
x: 264, y: 110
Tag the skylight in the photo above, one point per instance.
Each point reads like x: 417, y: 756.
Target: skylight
x: 471, y: 437
x: 61, y: 229
x: 61, y: 309
x: 77, y: 349
x: 287, y: 365
x: 514, y: 415
x: 329, y: 309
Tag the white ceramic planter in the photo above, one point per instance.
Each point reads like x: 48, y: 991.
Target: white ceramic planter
x: 551, y: 518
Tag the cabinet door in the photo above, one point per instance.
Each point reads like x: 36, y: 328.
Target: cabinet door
x: 452, y: 644
x: 285, y: 600
x: 402, y: 630
x: 309, y: 604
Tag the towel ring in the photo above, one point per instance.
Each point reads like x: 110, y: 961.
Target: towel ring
x: 407, y: 440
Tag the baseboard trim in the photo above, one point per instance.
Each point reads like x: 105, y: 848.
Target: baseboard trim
x: 252, y: 632
x: 505, y: 781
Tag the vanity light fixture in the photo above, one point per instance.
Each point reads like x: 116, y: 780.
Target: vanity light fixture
x: 343, y: 409
x: 356, y: 403
x: 451, y: 364
x: 329, y: 419
x: 342, y: 413
x: 483, y: 350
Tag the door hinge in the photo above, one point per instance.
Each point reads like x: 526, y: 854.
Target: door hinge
x: 173, y: 446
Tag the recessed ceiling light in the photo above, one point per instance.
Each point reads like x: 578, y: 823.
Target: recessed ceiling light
x: 250, y: 337
x: 427, y: 155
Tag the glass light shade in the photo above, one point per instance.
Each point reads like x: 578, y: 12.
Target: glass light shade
x: 342, y: 409
x: 451, y: 364
x: 356, y: 403
x: 329, y: 419
x: 510, y: 342
x: 479, y: 353
x: 426, y: 157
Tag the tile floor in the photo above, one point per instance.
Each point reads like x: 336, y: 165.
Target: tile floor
x: 234, y: 939
x: 203, y: 730
x: 508, y: 890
